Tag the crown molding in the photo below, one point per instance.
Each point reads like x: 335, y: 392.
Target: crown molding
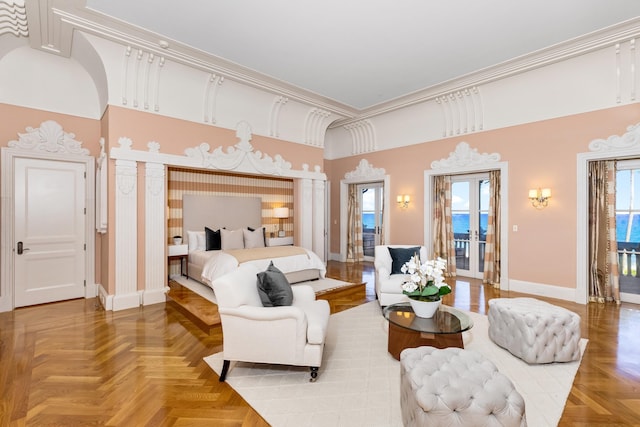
x: 60, y: 18
x: 56, y: 20
x: 610, y: 36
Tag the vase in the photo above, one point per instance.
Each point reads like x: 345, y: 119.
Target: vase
x: 425, y: 309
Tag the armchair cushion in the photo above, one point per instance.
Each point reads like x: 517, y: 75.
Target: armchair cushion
x: 399, y: 256
x: 274, y: 288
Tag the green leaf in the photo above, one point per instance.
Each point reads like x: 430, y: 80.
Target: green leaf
x: 429, y: 290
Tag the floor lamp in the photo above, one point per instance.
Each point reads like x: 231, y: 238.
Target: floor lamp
x: 281, y: 213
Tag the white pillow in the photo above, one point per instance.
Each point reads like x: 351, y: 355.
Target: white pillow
x: 231, y: 239
x: 253, y: 239
x: 196, y: 240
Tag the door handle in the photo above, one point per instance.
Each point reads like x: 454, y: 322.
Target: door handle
x: 21, y: 249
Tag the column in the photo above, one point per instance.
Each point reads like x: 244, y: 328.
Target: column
x: 126, y: 256
x: 155, y: 235
x: 319, y: 218
x: 304, y: 206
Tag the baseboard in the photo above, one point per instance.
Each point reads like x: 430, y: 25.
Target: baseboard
x: 154, y: 296
x: 125, y: 301
x: 105, y: 299
x: 540, y: 289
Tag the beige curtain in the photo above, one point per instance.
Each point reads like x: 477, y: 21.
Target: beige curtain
x: 492, y: 246
x: 443, y: 244
x: 355, y: 252
x: 383, y: 219
x: 603, y: 245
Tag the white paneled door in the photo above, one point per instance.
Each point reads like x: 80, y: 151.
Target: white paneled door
x: 49, y: 231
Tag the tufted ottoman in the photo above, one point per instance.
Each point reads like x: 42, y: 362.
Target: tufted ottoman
x: 534, y: 330
x: 456, y: 387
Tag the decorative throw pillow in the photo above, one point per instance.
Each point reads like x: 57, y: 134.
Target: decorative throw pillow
x: 274, y: 288
x: 264, y: 233
x: 401, y: 255
x: 253, y: 238
x: 196, y: 240
x: 213, y: 239
x: 231, y: 239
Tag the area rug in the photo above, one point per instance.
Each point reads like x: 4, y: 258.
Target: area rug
x: 359, y: 382
x: 319, y: 286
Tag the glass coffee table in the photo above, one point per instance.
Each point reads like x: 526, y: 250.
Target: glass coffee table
x: 407, y: 330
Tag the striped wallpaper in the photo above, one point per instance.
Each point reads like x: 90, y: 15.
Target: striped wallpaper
x: 274, y: 192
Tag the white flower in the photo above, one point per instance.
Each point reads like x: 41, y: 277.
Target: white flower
x: 419, y: 275
x: 409, y: 286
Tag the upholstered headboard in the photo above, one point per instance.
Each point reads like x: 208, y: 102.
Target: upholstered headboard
x: 199, y: 211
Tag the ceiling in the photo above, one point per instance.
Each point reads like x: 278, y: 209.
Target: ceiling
x: 361, y: 53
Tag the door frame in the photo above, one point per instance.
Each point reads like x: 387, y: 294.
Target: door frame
x: 466, y: 160
x: 363, y: 174
x: 614, y: 147
x: 380, y: 185
x: 472, y: 178
x: 8, y: 155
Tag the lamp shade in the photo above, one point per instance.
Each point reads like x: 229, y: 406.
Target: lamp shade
x: 281, y: 212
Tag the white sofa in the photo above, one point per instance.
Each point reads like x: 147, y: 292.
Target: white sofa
x: 388, y: 285
x: 287, y: 335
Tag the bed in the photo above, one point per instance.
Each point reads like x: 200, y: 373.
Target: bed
x: 223, y: 232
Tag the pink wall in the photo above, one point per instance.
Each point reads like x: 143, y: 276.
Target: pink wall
x: 174, y: 136
x: 541, y: 154
x: 16, y: 119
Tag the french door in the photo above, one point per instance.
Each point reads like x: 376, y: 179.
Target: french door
x: 470, y: 212
x: 371, y: 201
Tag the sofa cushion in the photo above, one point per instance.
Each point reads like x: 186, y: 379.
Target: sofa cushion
x: 274, y: 288
x: 399, y: 256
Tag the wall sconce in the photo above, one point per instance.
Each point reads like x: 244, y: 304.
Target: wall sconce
x: 403, y: 200
x: 540, y: 197
x: 281, y: 213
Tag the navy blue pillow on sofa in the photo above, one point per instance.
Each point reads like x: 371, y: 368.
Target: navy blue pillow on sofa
x: 401, y: 255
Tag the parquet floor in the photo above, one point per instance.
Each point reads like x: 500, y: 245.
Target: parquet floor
x: 73, y: 364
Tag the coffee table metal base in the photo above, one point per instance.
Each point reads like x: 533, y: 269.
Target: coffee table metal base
x: 401, y: 338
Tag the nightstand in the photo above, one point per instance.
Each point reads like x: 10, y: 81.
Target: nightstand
x: 280, y: 241
x: 180, y: 252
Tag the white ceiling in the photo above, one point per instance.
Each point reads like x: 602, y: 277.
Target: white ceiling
x: 361, y: 53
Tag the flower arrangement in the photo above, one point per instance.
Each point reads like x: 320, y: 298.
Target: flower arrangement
x: 425, y: 281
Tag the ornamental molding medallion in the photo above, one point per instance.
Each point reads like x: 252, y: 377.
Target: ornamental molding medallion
x: 241, y: 157
x: 49, y: 138
x: 365, y: 171
x: 465, y: 156
x: 630, y: 139
x: 241, y: 153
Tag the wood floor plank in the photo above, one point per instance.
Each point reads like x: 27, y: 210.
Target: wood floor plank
x: 74, y: 364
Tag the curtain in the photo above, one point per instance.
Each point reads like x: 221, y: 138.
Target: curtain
x: 603, y: 245
x: 382, y: 218
x: 492, y: 245
x: 443, y: 244
x: 355, y: 251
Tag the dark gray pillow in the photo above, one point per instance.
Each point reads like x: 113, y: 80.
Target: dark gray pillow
x: 274, y: 288
x: 401, y: 255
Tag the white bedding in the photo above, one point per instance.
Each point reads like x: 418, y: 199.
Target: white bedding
x: 218, y: 263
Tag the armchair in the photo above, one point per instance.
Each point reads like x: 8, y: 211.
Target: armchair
x: 287, y: 335
x: 388, y: 284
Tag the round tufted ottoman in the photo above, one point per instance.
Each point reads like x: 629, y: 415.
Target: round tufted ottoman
x: 534, y: 330
x: 456, y: 387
